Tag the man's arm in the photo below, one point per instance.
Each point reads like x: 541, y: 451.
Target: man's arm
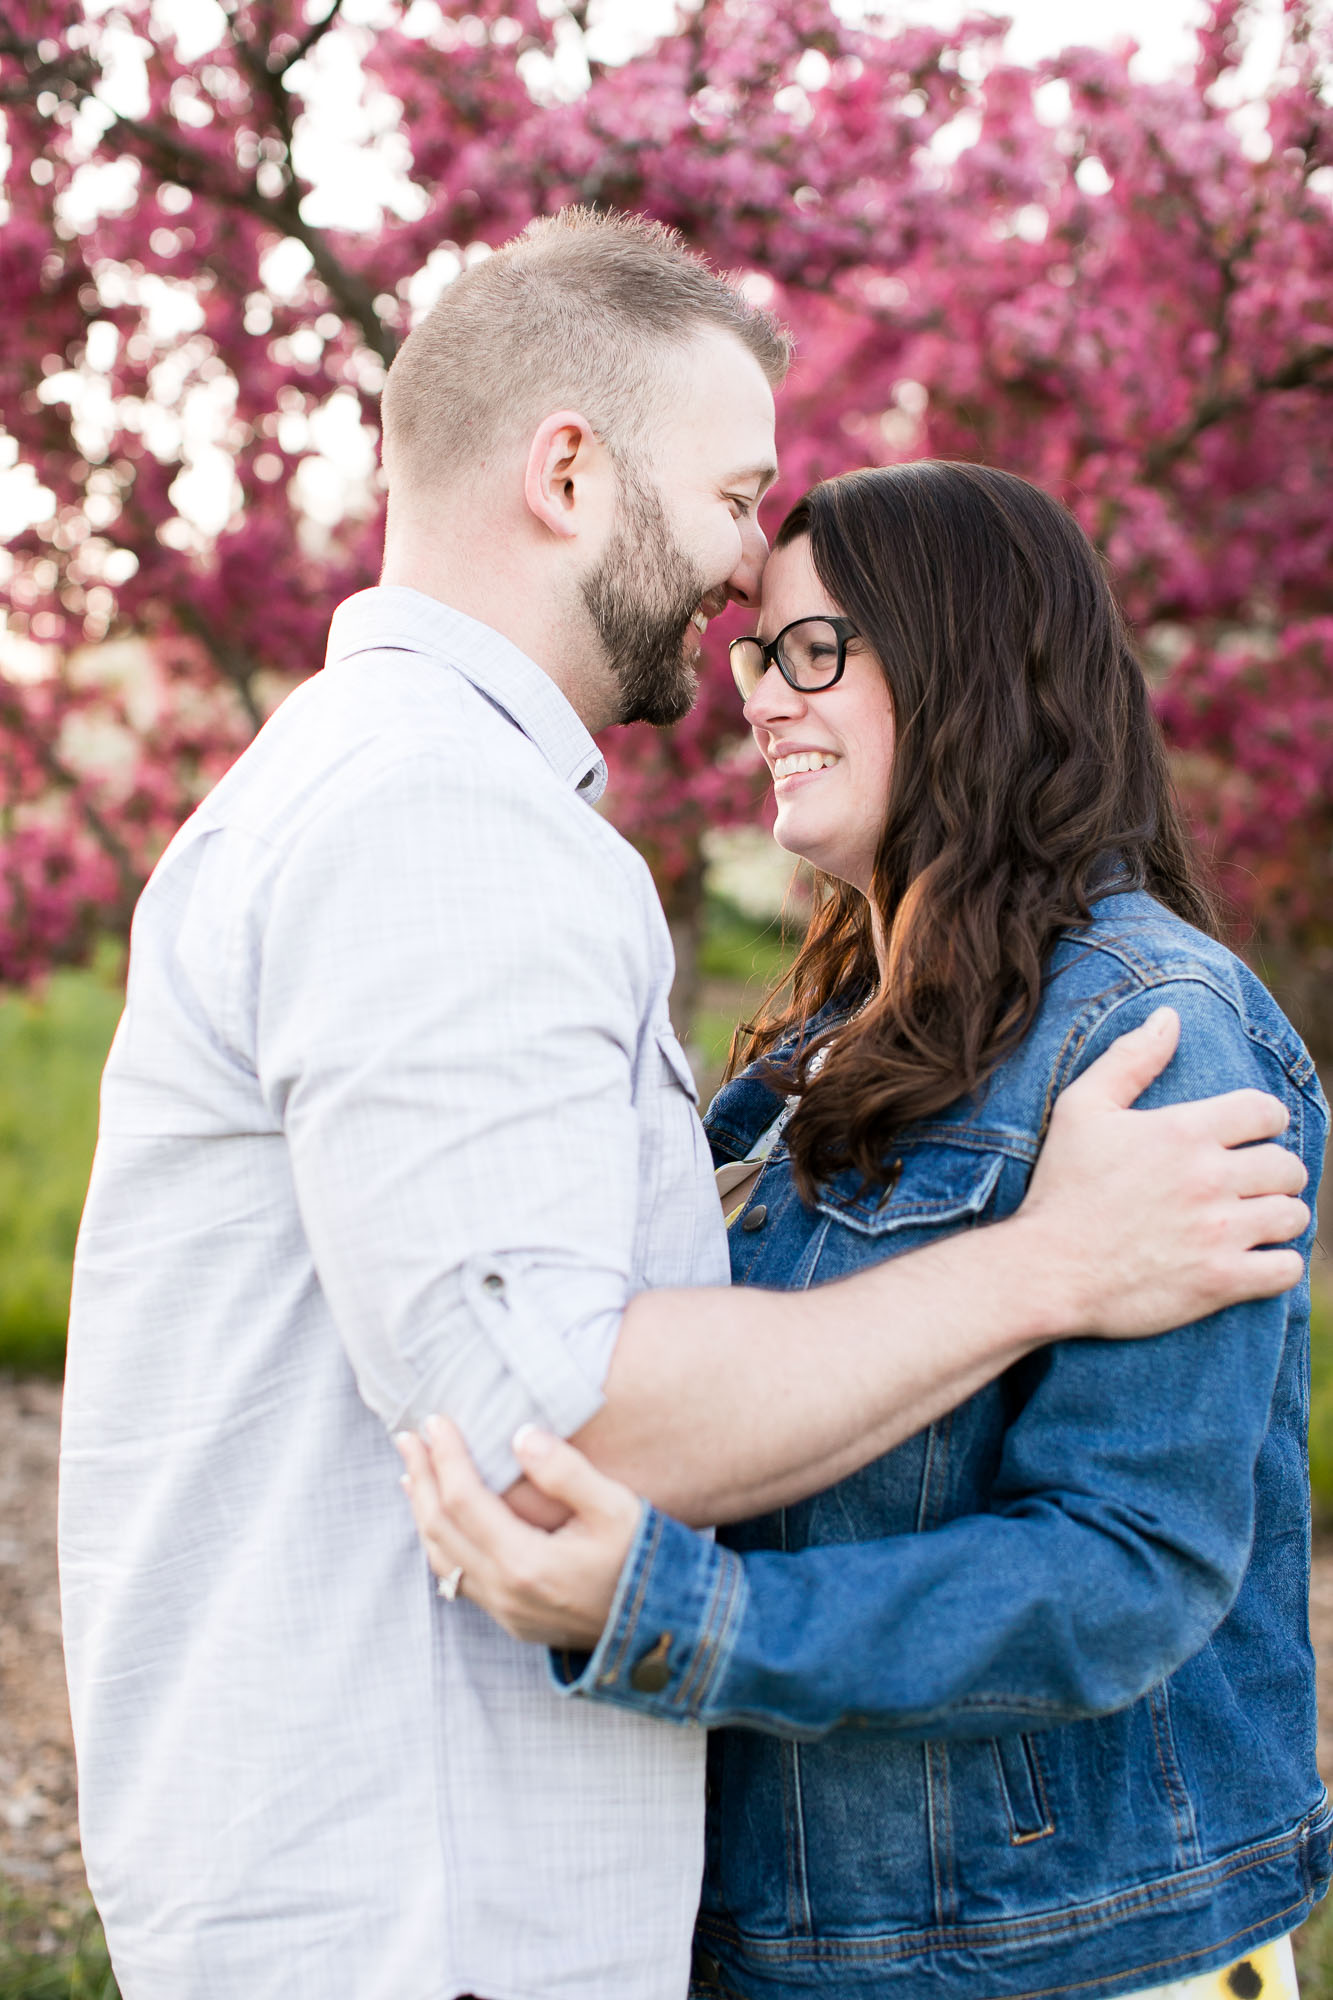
x: 721, y: 1405
x: 449, y: 1005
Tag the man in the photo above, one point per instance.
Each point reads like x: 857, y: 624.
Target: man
x: 396, y: 1123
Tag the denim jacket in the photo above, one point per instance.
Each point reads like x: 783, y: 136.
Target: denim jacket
x: 1026, y: 1707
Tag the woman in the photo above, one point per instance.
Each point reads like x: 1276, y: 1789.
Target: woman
x: 1026, y: 1707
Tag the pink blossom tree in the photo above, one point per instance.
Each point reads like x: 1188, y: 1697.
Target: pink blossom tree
x: 1121, y: 288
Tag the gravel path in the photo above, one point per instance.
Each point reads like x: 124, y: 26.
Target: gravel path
x: 39, y: 1840
x: 39, y: 1845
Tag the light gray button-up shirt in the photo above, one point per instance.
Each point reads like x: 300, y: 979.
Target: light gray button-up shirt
x: 394, y: 1122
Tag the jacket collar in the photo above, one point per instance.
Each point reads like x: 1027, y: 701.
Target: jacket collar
x: 747, y: 1106
x: 393, y: 618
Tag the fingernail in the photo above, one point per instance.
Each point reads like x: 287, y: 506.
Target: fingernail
x: 400, y: 1443
x: 1158, y: 1018
x: 532, y: 1440
x: 404, y: 1482
x: 431, y: 1426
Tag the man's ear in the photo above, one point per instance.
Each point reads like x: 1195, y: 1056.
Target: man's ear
x: 564, y: 455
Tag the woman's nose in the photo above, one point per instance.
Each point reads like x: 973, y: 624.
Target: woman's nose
x: 774, y: 700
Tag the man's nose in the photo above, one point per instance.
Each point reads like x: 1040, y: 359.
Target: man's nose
x: 743, y: 583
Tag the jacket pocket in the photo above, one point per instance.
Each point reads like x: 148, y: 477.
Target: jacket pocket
x: 1023, y: 1788
x: 930, y: 1186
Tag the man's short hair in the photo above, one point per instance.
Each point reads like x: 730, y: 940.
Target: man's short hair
x: 579, y: 311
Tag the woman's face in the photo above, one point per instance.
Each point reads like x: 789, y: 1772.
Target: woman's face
x: 831, y: 814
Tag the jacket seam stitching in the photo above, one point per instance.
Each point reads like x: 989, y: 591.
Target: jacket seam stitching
x: 724, y: 1639
x: 711, y: 1626
x: 612, y: 1669
x: 1142, y: 1900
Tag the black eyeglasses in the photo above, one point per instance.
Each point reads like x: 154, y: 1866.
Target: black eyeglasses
x: 810, y: 654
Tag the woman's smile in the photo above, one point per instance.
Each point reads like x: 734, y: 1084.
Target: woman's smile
x: 793, y: 767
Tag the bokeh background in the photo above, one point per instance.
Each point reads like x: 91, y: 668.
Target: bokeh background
x: 1092, y: 245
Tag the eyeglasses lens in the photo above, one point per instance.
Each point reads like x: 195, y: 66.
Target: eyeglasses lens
x: 809, y: 653
x: 748, y: 665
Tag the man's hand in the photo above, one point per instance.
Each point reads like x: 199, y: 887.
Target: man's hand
x: 1149, y: 1219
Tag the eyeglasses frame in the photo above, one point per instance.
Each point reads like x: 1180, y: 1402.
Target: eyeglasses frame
x: 842, y: 629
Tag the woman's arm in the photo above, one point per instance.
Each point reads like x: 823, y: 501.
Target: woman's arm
x: 1118, y: 1533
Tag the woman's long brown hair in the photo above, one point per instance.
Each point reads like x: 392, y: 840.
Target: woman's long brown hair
x: 1027, y: 768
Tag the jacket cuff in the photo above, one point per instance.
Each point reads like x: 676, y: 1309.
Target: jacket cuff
x: 672, y: 1626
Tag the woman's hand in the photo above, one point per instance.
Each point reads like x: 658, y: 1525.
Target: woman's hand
x: 553, y: 1589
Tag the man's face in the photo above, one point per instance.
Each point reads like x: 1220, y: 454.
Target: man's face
x: 686, y: 538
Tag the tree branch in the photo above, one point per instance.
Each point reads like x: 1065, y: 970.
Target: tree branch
x: 1306, y: 370
x: 231, y: 663
x: 175, y: 158
x: 53, y: 767
x: 308, y: 40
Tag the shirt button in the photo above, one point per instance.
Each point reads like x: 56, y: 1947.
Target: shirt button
x: 493, y: 1282
x: 756, y: 1218
x: 651, y: 1674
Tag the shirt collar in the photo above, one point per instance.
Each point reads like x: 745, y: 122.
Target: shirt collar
x: 392, y: 617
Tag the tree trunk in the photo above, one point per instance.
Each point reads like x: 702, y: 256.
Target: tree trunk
x: 683, y: 901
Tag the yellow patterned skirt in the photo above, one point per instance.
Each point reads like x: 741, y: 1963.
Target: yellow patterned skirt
x: 1266, y: 1974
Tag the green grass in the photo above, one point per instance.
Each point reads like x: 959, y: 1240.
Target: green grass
x: 52, y: 1047
x: 739, y: 962
x: 737, y: 947
x: 52, y: 1953
x: 1314, y: 1954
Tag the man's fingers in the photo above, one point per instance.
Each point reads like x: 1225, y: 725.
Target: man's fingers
x: 1124, y: 1072
x: 1258, y: 1170
x: 1273, y: 1218
x: 1262, y: 1274
x: 1239, y: 1118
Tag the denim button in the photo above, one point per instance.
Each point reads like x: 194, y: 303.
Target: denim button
x: 651, y: 1674
x: 756, y: 1218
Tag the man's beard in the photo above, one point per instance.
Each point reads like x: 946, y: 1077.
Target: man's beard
x: 641, y: 597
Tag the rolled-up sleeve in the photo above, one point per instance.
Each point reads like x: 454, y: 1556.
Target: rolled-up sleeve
x: 447, y: 1020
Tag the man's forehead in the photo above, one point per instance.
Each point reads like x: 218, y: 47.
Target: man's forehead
x: 720, y: 410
